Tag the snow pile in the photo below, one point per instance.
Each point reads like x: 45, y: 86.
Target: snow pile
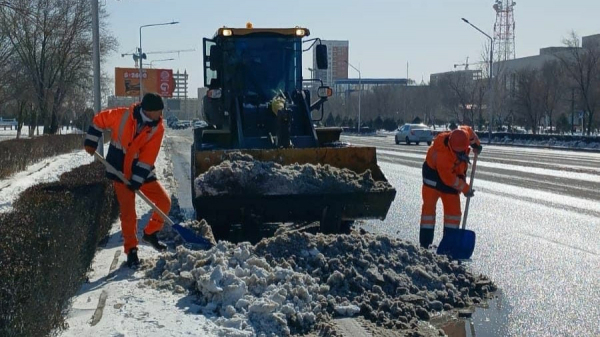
x: 295, y: 282
x: 552, y: 142
x: 240, y: 174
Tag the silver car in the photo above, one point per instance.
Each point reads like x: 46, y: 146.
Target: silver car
x: 414, y: 133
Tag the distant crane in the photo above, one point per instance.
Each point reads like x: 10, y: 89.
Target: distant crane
x: 466, y: 64
x: 136, y: 57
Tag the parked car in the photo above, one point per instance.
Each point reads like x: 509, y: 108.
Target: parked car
x: 414, y: 133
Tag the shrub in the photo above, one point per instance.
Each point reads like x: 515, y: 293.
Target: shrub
x: 47, y: 244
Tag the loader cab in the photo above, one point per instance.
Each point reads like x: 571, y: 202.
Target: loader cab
x: 244, y: 69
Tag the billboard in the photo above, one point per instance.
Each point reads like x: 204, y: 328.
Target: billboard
x: 160, y: 81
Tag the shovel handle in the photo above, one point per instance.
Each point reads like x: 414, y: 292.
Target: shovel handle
x: 119, y: 174
x: 464, y: 222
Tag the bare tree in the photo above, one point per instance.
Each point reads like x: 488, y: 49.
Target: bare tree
x: 463, y: 95
x: 551, y: 89
x: 528, y: 97
x: 54, y: 45
x: 582, y: 66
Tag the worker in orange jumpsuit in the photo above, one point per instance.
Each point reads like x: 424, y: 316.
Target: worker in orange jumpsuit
x: 444, y: 177
x: 136, y: 137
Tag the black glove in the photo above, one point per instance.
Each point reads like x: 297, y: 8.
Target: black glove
x: 134, y: 185
x: 477, y: 148
x: 470, y: 194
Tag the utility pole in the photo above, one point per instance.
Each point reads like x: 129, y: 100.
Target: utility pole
x: 96, y: 61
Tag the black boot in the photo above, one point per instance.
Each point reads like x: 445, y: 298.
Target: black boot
x: 426, y: 237
x: 152, y: 239
x: 132, y: 258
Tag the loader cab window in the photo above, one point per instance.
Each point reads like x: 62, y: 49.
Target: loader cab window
x: 211, y: 64
x: 261, y: 66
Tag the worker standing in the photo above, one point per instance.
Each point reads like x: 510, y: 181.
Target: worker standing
x: 444, y: 177
x: 136, y: 137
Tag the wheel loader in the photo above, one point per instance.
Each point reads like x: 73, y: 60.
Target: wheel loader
x: 246, y: 70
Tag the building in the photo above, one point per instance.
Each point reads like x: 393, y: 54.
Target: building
x: 545, y: 55
x: 349, y: 85
x: 337, y: 61
x: 183, y: 109
x: 473, y: 75
x: 117, y: 101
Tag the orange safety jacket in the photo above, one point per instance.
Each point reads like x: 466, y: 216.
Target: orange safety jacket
x: 443, y: 169
x: 134, y: 144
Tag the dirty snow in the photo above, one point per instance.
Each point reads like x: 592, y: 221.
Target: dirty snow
x: 292, y: 283
x: 240, y: 174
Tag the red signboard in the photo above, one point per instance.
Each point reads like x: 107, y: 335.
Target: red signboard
x: 160, y: 81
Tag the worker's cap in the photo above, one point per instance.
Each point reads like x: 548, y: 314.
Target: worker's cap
x: 152, y: 102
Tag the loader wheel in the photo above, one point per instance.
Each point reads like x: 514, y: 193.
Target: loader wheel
x: 221, y: 231
x: 331, y: 220
x: 346, y: 227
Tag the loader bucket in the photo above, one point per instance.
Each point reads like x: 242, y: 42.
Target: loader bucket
x: 231, y: 208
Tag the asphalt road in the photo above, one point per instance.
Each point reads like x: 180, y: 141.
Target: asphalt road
x: 537, y: 218
x: 536, y: 214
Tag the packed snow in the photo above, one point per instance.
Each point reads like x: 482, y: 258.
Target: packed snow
x: 240, y: 174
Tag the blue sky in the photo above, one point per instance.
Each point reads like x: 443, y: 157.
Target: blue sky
x: 383, y: 34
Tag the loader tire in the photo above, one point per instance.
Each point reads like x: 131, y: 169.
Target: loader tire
x: 221, y: 231
x: 331, y: 220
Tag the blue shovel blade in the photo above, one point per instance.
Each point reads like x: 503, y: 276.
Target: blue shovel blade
x: 458, y: 244
x: 190, y: 237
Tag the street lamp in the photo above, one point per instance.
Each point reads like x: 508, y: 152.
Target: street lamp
x: 140, y: 54
x: 490, y: 85
x: 159, y: 61
x: 359, y: 91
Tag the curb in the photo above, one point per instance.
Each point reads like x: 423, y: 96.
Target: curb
x: 572, y: 149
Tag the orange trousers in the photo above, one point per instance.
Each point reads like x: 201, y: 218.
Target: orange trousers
x: 450, y: 202
x: 126, y: 197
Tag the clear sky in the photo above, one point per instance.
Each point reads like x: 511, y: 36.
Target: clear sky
x: 383, y: 35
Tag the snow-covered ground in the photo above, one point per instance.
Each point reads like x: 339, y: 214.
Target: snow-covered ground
x: 280, y: 286
x: 7, y: 133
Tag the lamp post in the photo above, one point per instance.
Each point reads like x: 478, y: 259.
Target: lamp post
x: 359, y: 92
x: 96, y: 67
x: 159, y: 61
x: 140, y: 54
x: 491, y: 82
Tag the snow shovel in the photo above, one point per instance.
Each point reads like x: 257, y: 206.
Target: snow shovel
x: 186, y: 234
x: 459, y: 244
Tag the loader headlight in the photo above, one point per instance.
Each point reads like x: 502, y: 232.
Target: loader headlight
x: 300, y: 32
x: 227, y: 32
x: 214, y: 93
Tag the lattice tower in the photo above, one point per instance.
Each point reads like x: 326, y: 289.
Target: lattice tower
x: 504, y: 30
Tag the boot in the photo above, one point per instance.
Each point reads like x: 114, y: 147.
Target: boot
x: 132, y: 258
x: 152, y: 239
x: 426, y: 237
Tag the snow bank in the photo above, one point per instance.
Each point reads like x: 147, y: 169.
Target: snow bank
x: 294, y: 282
x: 241, y: 174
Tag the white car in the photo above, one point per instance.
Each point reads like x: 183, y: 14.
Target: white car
x: 414, y: 133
